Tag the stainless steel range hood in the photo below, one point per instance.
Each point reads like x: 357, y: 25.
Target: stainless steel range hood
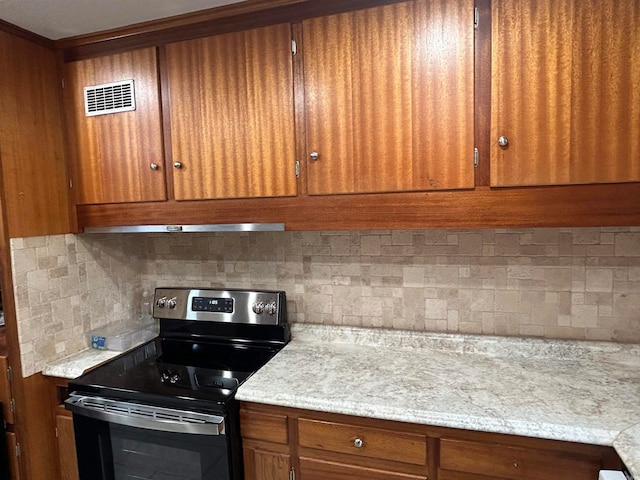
x: 229, y: 227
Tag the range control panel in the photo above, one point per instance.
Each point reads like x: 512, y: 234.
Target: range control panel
x: 263, y: 307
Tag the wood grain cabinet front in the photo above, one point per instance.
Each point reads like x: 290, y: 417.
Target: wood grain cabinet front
x: 66, y: 440
x: 472, y: 460
x: 389, y: 98
x: 232, y: 115
x: 265, y: 438
x: 324, y: 446
x: 115, y: 157
x: 566, y: 92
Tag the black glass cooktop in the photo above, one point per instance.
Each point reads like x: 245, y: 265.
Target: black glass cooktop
x: 169, y: 371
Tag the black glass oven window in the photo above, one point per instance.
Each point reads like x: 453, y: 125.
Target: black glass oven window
x: 134, y: 459
x: 135, y: 454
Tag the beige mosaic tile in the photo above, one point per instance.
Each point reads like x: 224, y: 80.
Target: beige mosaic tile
x: 67, y: 285
x: 554, y: 283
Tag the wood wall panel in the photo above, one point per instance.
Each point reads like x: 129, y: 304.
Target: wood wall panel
x: 34, y: 176
x: 389, y: 98
x: 111, y: 155
x: 566, y: 77
x: 232, y: 115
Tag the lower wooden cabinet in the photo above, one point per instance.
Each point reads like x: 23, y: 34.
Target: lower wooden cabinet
x: 66, y: 448
x: 515, y: 462
x: 14, y: 463
x: 313, y: 469
x: 282, y: 443
x: 262, y: 464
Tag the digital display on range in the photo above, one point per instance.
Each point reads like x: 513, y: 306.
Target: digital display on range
x: 216, y: 305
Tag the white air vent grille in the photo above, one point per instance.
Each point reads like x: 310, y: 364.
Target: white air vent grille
x: 109, y: 98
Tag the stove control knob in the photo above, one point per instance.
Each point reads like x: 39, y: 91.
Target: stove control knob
x: 171, y: 303
x: 161, y: 302
x: 271, y: 308
x: 258, y: 307
x: 164, y: 376
x: 175, y: 376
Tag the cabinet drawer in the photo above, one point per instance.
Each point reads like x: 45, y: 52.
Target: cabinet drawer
x: 517, y: 463
x: 374, y: 442
x: 312, y: 469
x: 264, y: 426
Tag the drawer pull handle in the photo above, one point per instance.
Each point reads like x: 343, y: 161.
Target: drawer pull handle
x: 358, y: 443
x: 515, y: 464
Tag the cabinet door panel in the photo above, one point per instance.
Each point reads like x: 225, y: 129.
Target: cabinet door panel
x: 389, y: 98
x: 5, y: 390
x: 67, y: 448
x: 264, y: 465
x: 605, y: 103
x: 566, y: 83
x: 232, y: 115
x: 112, y: 154
x: 14, y: 463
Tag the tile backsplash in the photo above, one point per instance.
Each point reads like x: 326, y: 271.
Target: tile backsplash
x: 67, y: 285
x: 581, y: 283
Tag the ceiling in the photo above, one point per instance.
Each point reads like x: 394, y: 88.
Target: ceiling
x: 56, y: 19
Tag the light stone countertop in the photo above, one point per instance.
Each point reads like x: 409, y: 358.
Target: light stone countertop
x: 75, y: 365
x: 576, y: 391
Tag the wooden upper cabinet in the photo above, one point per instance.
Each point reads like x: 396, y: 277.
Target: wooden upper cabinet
x: 34, y: 180
x: 232, y: 115
x: 116, y: 157
x: 389, y: 98
x: 565, y: 92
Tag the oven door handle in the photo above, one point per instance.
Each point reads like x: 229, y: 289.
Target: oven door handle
x: 145, y: 416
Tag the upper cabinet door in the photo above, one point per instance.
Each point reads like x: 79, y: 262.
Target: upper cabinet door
x: 566, y: 92
x: 116, y: 157
x: 389, y: 98
x: 232, y: 115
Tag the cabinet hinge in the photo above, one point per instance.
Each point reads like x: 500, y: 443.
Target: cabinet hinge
x: 297, y: 169
x: 292, y: 474
x: 12, y: 406
x: 294, y: 47
x: 476, y: 17
x: 17, y: 450
x: 476, y: 157
x: 9, y: 374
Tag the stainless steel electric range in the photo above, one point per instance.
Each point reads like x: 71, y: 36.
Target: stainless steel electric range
x: 166, y: 410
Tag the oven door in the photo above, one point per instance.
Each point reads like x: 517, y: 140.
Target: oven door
x: 117, y: 440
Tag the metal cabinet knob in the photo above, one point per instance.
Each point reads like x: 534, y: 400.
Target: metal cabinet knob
x: 358, y: 443
x: 154, y: 166
x: 177, y: 165
x: 314, y: 156
x: 503, y: 142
